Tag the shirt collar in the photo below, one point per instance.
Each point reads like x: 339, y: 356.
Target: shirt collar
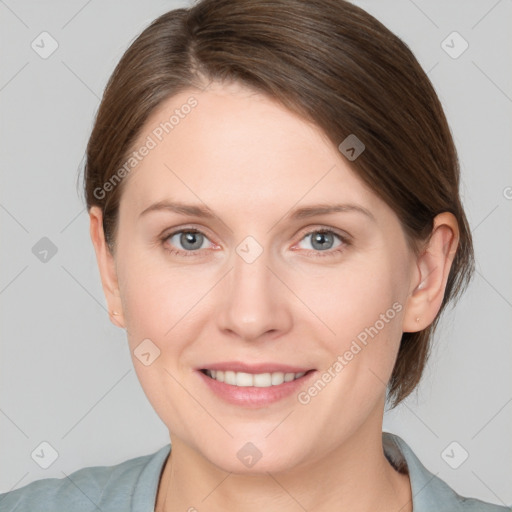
x: 428, y: 491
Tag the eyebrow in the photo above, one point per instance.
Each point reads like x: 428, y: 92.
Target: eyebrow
x: 297, y: 214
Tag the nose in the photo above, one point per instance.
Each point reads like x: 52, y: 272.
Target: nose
x: 255, y: 303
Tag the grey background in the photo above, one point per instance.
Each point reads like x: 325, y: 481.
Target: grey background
x: 66, y: 373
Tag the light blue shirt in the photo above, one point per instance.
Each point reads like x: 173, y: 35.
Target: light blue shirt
x: 133, y: 484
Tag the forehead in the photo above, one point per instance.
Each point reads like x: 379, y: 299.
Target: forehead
x: 231, y: 145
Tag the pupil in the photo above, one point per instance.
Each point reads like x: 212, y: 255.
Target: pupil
x: 321, y: 238
x: 191, y: 238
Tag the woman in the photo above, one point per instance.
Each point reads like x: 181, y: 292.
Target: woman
x: 273, y: 194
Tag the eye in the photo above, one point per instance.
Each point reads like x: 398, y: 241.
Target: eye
x: 187, y: 241
x: 324, y: 240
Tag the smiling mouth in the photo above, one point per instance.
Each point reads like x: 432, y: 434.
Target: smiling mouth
x: 259, y: 380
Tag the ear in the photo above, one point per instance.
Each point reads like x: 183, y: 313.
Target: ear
x: 107, y: 267
x: 431, y: 275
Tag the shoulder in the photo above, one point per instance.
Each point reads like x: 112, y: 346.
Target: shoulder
x: 429, y: 491
x: 130, y: 485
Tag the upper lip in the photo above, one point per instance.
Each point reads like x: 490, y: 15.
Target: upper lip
x: 237, y: 366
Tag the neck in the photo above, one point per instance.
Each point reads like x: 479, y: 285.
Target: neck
x: 356, y: 476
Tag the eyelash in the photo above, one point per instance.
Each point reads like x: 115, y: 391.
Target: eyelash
x: 320, y: 254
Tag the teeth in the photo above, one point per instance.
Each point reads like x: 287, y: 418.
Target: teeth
x: 277, y: 378
x: 259, y: 380
x: 244, y: 379
x: 229, y: 378
x: 289, y: 377
x: 262, y: 380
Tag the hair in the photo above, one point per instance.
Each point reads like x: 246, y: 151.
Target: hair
x: 326, y: 60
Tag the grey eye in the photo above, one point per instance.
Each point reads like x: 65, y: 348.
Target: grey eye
x: 187, y: 240
x: 321, y: 240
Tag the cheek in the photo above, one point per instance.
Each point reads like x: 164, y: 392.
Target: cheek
x: 156, y: 296
x: 360, y: 300
x: 364, y: 314
x: 158, y: 308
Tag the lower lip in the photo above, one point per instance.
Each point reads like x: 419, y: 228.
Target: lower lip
x: 252, y: 396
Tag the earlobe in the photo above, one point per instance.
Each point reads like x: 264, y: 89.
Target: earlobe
x: 106, y: 267
x: 430, y: 278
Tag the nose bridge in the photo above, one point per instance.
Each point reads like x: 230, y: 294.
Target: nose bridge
x: 253, y: 303
x: 250, y: 274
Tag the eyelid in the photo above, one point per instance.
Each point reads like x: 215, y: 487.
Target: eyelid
x: 185, y: 229
x: 167, y: 233
x: 344, y: 238
x: 320, y: 227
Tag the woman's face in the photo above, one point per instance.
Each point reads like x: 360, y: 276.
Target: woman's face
x: 265, y: 288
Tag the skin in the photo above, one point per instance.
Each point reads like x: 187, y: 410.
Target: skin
x: 251, y: 162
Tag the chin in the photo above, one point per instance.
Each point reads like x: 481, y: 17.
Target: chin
x: 257, y: 456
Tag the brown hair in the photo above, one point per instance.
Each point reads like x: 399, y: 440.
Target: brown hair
x: 330, y: 62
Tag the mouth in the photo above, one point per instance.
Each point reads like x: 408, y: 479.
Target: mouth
x: 254, y: 386
x: 258, y: 380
